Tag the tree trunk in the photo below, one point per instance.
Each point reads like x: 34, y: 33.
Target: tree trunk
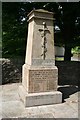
x: 67, y: 55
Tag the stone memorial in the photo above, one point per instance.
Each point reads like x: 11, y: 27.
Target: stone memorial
x: 39, y: 74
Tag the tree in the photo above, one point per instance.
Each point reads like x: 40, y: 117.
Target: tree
x: 68, y: 20
x: 70, y: 15
x: 15, y: 25
x: 13, y: 30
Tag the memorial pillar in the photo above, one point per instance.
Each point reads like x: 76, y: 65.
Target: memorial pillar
x: 39, y: 74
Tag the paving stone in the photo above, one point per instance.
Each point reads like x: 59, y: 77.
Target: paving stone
x: 63, y: 111
x: 10, y: 97
x: 12, y: 107
x: 10, y: 88
x: 74, y: 105
x: 47, y: 115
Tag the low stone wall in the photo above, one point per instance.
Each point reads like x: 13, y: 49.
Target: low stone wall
x: 11, y: 71
x: 68, y: 72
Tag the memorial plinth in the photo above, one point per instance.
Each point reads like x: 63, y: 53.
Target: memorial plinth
x: 40, y: 75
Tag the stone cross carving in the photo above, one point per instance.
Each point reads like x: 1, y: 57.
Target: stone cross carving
x: 44, y: 41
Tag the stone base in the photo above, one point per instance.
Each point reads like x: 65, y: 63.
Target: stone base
x: 42, y: 98
x: 39, y: 79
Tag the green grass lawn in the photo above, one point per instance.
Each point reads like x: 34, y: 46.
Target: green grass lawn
x: 59, y: 58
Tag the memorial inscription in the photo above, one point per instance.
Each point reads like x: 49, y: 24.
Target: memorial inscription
x: 44, y: 79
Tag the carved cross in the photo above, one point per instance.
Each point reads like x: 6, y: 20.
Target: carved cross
x: 44, y: 30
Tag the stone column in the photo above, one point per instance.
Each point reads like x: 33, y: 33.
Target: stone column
x: 39, y: 74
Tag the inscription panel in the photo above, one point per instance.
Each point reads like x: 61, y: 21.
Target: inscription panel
x: 42, y: 80
x: 41, y: 62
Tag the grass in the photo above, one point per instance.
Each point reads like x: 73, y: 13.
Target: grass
x: 59, y: 58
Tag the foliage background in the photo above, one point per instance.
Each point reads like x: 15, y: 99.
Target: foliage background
x: 15, y: 26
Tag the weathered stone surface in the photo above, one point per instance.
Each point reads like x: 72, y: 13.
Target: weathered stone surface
x: 42, y: 98
x: 40, y: 79
x: 38, y: 32
x: 14, y: 108
x: 39, y: 74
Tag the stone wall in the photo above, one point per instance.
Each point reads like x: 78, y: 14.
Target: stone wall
x: 11, y: 70
x: 68, y: 72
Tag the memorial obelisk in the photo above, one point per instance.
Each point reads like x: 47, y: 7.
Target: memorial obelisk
x: 39, y: 73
